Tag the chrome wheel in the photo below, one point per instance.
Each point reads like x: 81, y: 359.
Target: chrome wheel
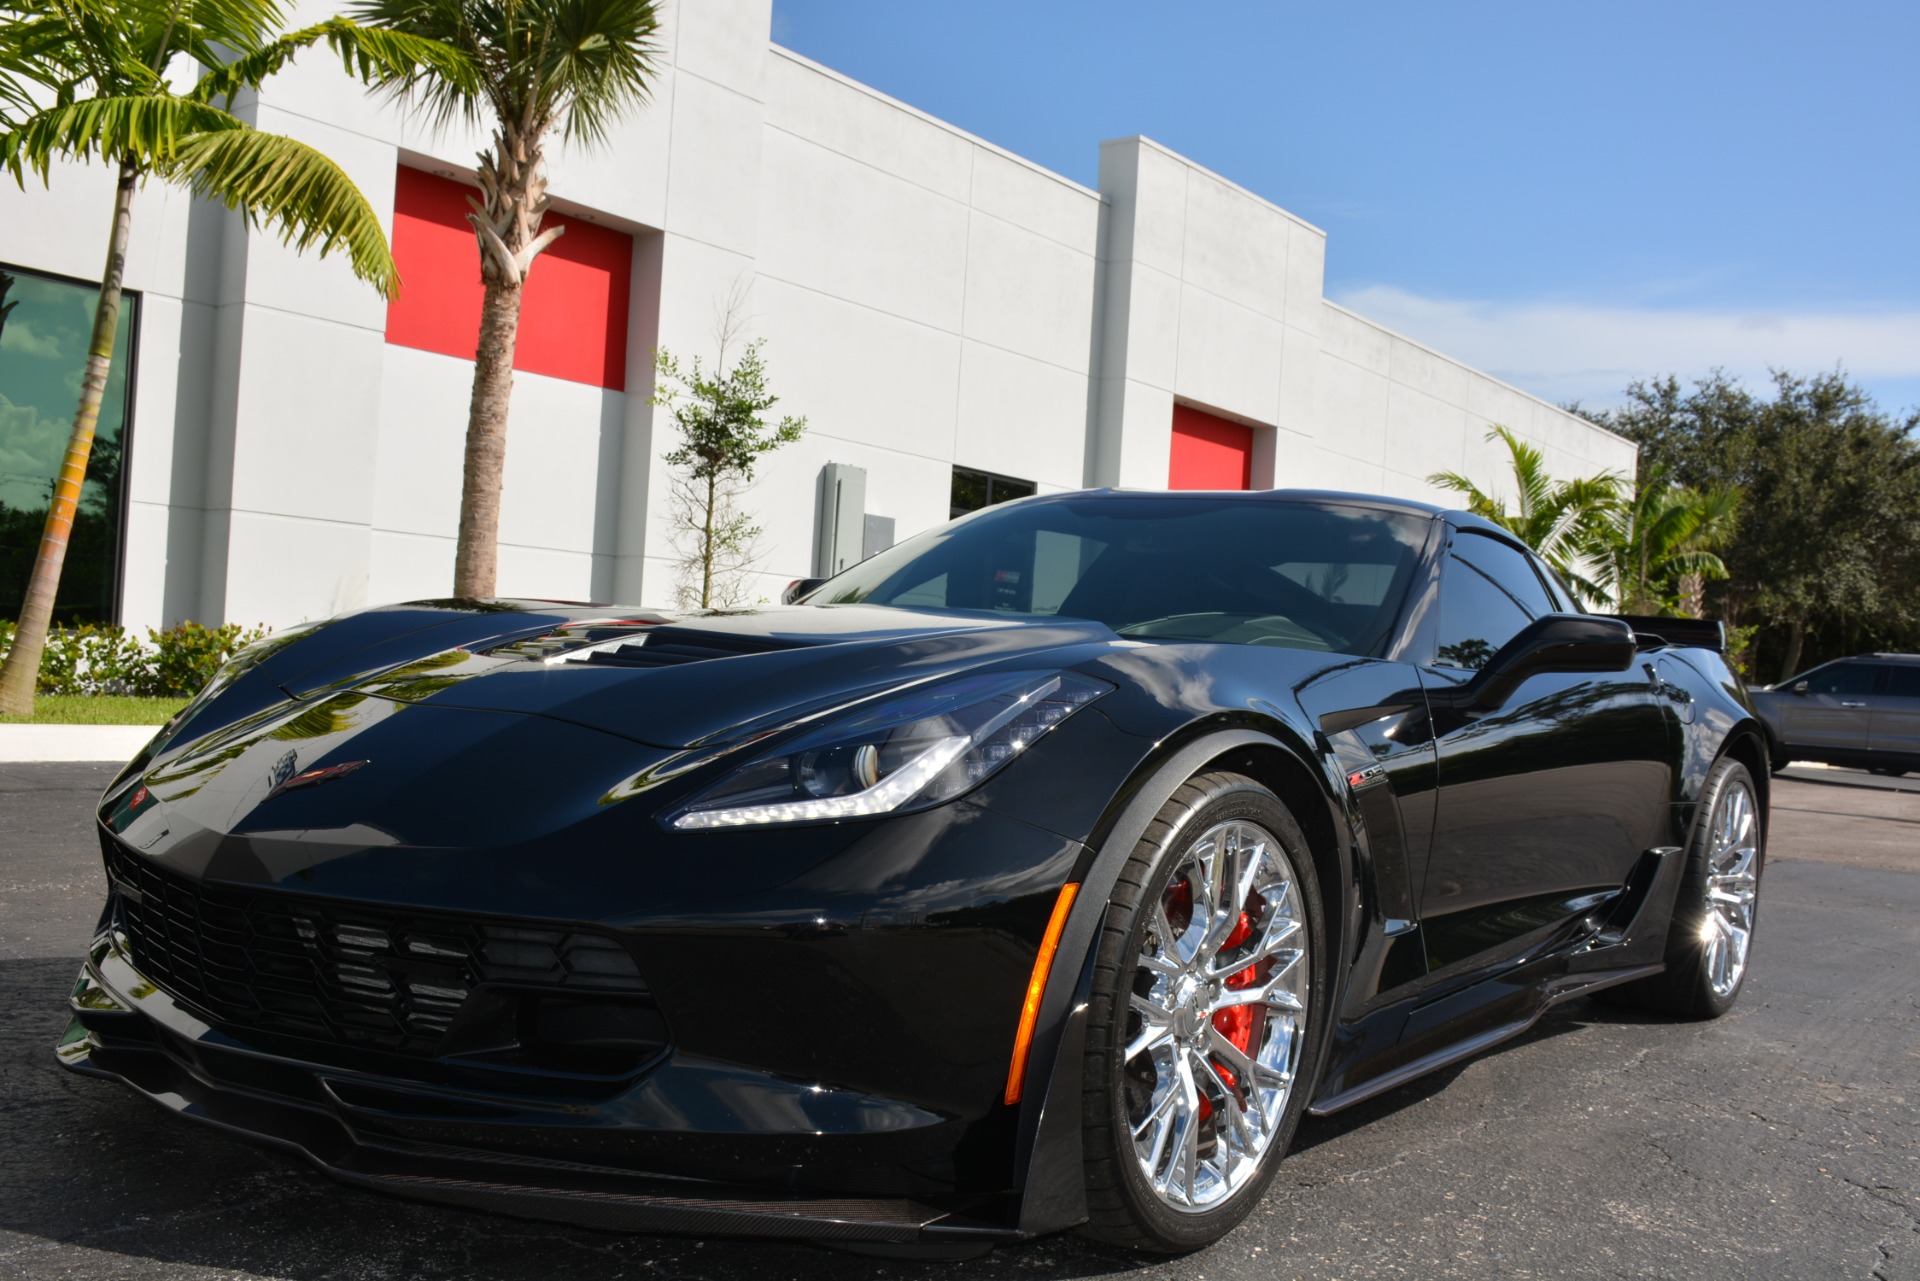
x: 1726, y: 929
x: 1217, y: 1016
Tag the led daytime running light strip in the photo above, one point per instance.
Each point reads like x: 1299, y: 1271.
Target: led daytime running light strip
x: 889, y: 793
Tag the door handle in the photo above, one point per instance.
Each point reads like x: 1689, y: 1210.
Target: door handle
x: 1847, y: 704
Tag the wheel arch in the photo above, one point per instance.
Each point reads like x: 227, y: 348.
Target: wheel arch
x: 1748, y: 745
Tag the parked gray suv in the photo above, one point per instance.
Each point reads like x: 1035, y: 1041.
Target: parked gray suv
x: 1862, y: 711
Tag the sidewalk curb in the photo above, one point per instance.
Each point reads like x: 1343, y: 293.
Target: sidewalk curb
x: 23, y: 744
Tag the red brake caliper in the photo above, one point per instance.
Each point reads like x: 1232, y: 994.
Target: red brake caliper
x: 1239, y: 1023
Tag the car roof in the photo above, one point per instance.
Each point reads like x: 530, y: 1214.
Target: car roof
x: 1404, y: 506
x: 1899, y: 660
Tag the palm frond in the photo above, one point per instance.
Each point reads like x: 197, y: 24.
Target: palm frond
x: 598, y: 62
x: 1477, y: 502
x: 148, y: 129
x: 293, y: 188
x: 67, y: 42
x: 1703, y: 563
x: 39, y: 47
x: 369, y: 54
x: 457, y: 25
x: 580, y: 63
x: 221, y: 26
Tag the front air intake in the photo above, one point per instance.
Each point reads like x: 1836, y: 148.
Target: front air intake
x: 364, y: 975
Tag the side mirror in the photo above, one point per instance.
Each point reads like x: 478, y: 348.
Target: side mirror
x: 1800, y: 687
x: 799, y: 587
x: 1551, y: 643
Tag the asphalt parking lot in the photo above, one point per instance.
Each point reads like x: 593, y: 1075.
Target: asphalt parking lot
x: 1780, y: 1141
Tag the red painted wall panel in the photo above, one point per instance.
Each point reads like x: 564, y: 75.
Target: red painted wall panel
x: 573, y: 317
x: 1209, y: 452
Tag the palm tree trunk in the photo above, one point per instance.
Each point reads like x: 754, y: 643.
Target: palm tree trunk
x: 22, y: 667
x: 1693, y: 595
x: 477, y: 558
x: 507, y: 227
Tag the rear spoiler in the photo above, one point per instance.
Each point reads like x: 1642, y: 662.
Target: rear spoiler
x: 1701, y: 633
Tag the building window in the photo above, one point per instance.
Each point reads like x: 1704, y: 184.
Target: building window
x: 46, y: 323
x: 573, y: 314
x: 1209, y: 452
x: 973, y: 490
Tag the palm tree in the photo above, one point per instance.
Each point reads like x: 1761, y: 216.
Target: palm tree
x: 81, y: 79
x: 1563, y: 520
x: 575, y: 64
x: 1659, y: 552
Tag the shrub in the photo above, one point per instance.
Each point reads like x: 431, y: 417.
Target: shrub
x: 92, y: 659
x: 186, y: 657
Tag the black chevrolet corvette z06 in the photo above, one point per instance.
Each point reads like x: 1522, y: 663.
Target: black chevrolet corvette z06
x: 1040, y: 871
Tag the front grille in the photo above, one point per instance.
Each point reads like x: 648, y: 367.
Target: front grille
x: 353, y: 974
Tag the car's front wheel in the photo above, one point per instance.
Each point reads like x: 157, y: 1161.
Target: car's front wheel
x: 1205, y: 990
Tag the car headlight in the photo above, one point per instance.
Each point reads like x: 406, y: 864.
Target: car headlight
x: 916, y: 749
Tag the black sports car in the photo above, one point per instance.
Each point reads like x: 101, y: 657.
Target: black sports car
x: 1040, y: 871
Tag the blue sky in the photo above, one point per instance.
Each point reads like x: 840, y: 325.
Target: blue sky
x: 1571, y: 197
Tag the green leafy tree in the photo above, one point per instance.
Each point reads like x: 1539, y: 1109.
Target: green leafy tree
x: 87, y: 79
x: 575, y: 66
x: 1566, y: 521
x: 1830, y: 549
x: 1657, y: 553
x: 721, y: 414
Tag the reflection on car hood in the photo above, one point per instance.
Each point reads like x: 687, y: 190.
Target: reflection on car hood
x: 717, y: 678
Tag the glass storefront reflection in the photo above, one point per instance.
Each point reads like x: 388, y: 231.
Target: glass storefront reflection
x: 45, y: 324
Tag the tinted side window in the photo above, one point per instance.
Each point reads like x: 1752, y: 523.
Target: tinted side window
x: 1843, y: 678
x: 1488, y: 592
x: 1563, y: 601
x: 1509, y: 568
x: 1904, y: 681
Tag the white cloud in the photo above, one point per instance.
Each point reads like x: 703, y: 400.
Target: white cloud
x: 20, y: 336
x: 1568, y: 352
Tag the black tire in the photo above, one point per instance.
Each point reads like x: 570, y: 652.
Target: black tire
x: 1687, y: 987
x: 1123, y: 1208
x: 1886, y: 771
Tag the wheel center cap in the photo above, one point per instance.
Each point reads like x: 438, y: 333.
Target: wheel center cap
x: 1190, y: 1008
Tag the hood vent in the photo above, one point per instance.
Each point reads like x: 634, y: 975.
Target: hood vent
x: 671, y: 646
x: 564, y: 640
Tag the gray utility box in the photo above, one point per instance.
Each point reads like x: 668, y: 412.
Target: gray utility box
x: 841, y: 530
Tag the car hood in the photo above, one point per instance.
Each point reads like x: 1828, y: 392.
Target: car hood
x: 718, y: 678
x: 440, y: 780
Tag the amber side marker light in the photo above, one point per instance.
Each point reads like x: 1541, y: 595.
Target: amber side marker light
x: 1036, y: 987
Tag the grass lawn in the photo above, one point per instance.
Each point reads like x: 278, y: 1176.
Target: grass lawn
x: 98, y: 709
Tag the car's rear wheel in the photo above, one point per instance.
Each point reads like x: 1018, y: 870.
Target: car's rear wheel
x: 1711, y: 937
x: 1205, y: 990
x: 1886, y: 771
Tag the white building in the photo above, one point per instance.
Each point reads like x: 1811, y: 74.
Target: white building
x: 929, y: 302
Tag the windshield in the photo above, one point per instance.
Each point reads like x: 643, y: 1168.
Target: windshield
x: 1233, y: 570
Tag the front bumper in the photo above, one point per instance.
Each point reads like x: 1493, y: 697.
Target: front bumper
x: 535, y: 1158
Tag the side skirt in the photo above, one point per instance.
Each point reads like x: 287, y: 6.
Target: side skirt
x: 1562, y: 989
